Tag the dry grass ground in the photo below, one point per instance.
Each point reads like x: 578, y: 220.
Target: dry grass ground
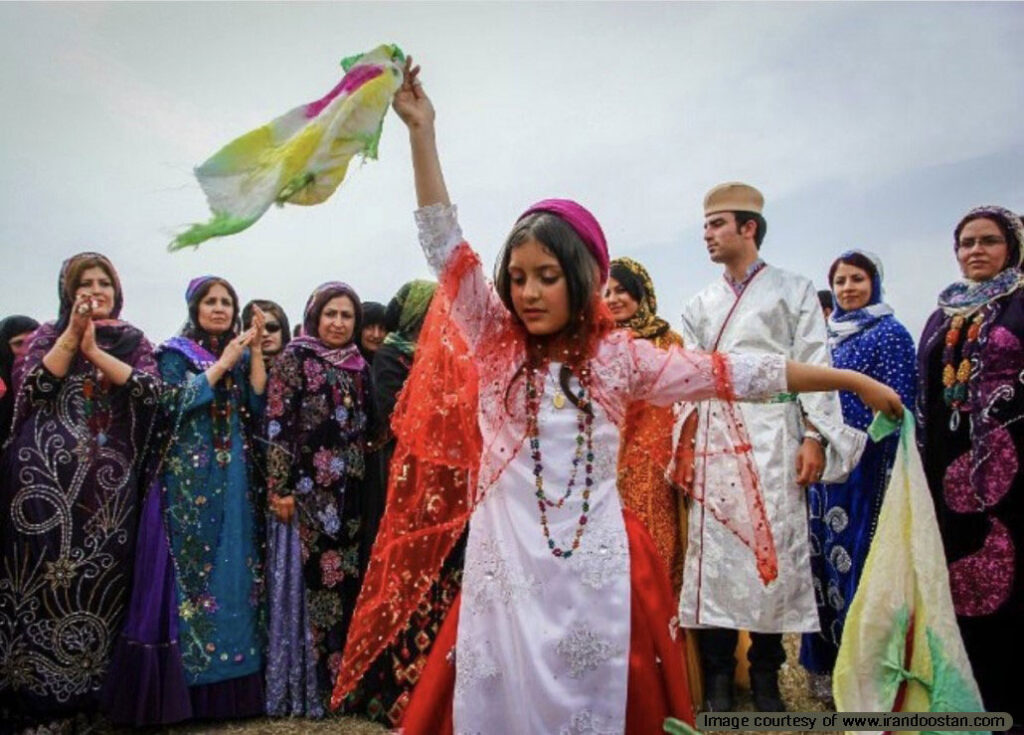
x: 792, y: 679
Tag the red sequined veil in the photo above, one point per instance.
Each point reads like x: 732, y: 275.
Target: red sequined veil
x: 435, y: 473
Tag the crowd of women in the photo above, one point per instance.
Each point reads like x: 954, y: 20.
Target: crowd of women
x: 185, y: 530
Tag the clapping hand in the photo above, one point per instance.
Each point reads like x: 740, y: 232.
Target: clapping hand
x: 236, y: 348
x: 258, y: 328
x: 81, y: 316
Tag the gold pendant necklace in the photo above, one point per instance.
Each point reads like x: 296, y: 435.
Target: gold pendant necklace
x: 557, y: 396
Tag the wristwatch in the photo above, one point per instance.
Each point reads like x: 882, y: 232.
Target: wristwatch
x: 815, y: 435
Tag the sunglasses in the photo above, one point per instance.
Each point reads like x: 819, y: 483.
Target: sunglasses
x: 272, y: 327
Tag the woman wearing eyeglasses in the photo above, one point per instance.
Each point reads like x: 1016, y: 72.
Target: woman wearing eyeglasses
x: 971, y: 429
x: 276, y: 330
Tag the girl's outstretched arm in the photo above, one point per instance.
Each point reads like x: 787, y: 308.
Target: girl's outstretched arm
x: 417, y: 112
x: 804, y: 378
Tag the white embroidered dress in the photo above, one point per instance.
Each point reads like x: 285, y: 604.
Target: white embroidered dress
x: 777, y: 313
x: 543, y: 642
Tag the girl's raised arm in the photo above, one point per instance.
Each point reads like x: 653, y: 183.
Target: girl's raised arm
x: 417, y: 112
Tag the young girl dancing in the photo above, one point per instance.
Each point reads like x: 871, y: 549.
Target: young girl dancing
x: 563, y: 625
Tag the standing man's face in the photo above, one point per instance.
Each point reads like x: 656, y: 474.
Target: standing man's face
x: 724, y: 242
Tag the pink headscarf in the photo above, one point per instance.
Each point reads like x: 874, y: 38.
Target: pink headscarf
x: 583, y: 222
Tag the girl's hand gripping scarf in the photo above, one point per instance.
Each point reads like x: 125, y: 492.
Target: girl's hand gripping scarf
x: 901, y: 649
x: 302, y: 156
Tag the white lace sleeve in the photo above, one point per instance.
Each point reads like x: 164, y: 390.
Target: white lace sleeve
x: 757, y: 376
x: 439, y: 230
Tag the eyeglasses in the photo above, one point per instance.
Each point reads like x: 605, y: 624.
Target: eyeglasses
x: 988, y: 241
x: 272, y: 327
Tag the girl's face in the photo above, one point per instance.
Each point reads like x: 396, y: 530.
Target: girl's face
x: 981, y: 250
x: 622, y: 304
x: 216, y: 310
x: 337, y: 322
x: 373, y: 335
x: 540, y: 293
x: 99, y: 287
x: 272, y: 341
x: 852, y: 287
x: 19, y: 344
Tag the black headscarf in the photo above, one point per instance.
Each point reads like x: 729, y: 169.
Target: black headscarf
x: 10, y: 327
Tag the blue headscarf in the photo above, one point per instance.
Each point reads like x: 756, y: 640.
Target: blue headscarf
x: 843, y: 324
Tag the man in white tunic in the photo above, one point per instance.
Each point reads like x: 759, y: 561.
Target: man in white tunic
x: 756, y: 308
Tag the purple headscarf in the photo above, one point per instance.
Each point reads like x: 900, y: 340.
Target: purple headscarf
x: 346, y: 357
x: 583, y: 222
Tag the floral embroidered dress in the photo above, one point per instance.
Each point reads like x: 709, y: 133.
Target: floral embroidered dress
x: 212, y: 509
x: 316, y: 421
x: 971, y: 433
x: 842, y: 516
x: 548, y: 642
x: 71, y: 481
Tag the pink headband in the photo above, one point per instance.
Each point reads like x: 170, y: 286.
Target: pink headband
x: 583, y: 222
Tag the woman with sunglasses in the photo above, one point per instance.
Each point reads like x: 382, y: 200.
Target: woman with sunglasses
x: 276, y: 330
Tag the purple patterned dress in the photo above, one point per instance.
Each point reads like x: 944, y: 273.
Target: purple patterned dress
x: 70, y: 485
x: 972, y: 460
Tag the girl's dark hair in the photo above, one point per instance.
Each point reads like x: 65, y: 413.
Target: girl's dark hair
x: 374, y: 313
x: 582, y: 279
x: 857, y: 260
x: 579, y: 266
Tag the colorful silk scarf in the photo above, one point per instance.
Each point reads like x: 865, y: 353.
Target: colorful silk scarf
x: 302, y: 156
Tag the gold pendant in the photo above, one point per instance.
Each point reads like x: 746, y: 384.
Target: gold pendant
x: 558, y: 399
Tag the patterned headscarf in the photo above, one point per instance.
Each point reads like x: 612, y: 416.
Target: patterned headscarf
x: 405, y: 315
x: 346, y: 357
x: 633, y: 277
x: 844, y: 324
x: 966, y: 296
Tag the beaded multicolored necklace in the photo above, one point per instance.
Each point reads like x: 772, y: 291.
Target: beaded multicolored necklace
x: 221, y: 409
x: 96, y: 407
x: 584, y: 454
x: 955, y: 378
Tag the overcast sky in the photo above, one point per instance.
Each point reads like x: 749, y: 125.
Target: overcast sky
x: 866, y: 125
